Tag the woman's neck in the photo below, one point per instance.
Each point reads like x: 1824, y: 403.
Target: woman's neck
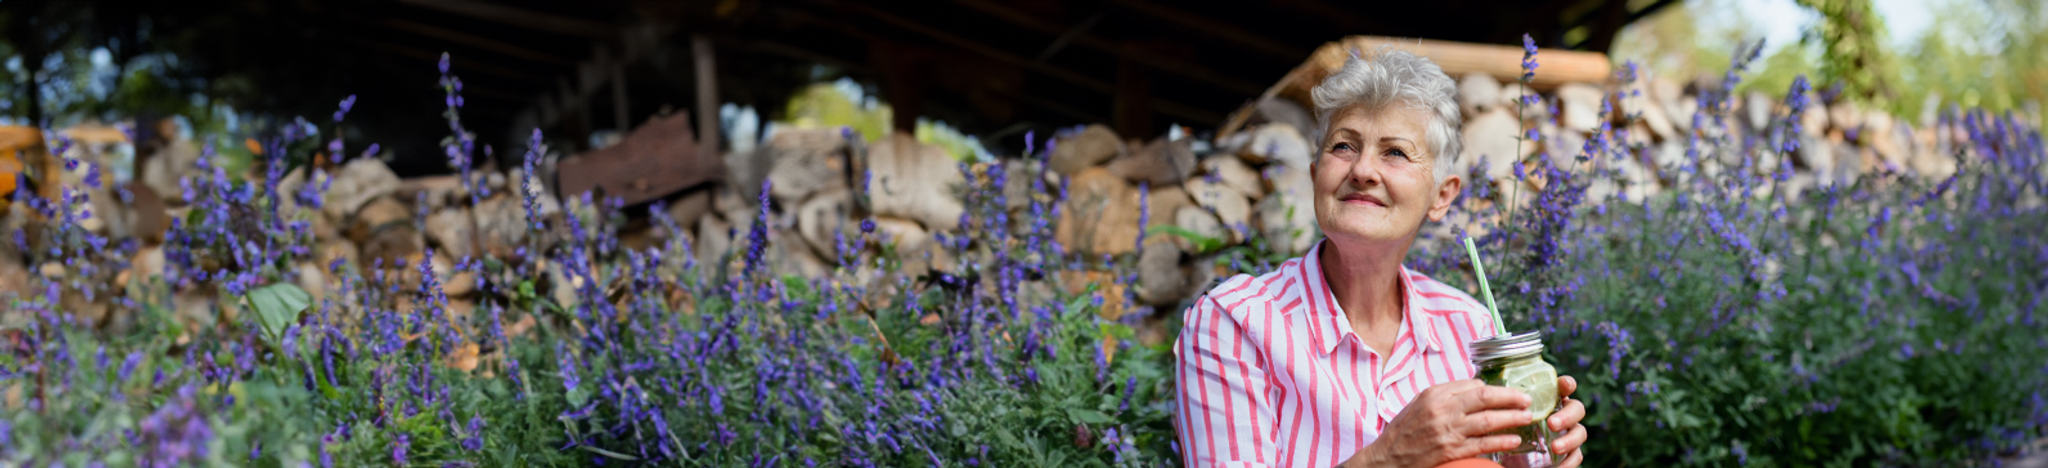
x: 1367, y: 285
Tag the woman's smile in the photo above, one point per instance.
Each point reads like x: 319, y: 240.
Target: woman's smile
x: 1362, y: 199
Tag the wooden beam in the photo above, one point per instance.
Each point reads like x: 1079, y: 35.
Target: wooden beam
x: 1060, y: 41
x: 428, y: 57
x: 522, y: 17
x: 1053, y: 106
x: 476, y: 41
x: 493, y: 93
x: 799, y: 53
x: 1176, y: 109
x: 1244, y: 37
x: 1344, y: 20
x: 1191, y: 70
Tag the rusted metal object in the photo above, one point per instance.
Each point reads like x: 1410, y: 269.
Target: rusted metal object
x: 658, y: 159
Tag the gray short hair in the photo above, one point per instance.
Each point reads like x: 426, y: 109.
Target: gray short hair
x: 1387, y: 78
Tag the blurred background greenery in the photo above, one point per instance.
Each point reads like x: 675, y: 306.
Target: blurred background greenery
x: 1897, y: 55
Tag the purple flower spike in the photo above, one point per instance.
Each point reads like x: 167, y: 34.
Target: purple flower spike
x: 350, y: 101
x: 1528, y: 58
x: 402, y: 442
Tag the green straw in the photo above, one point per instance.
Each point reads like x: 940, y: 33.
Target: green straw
x: 1485, y: 291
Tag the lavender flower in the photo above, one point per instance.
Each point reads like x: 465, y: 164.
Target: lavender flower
x: 350, y: 101
x: 1528, y: 59
x: 475, y: 440
x: 757, y: 236
x: 403, y: 441
x: 1796, y: 100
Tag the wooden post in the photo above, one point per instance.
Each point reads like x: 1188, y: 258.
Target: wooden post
x: 620, y: 115
x: 707, y: 96
x: 1132, y: 106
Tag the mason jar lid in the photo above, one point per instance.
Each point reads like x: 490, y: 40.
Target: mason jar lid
x: 1503, y: 347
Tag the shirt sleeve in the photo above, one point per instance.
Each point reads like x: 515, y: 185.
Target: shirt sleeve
x: 1225, y: 416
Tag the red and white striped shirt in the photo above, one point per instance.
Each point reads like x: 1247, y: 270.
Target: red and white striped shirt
x: 1270, y: 374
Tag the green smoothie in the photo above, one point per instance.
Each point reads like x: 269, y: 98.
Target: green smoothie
x: 1516, y: 361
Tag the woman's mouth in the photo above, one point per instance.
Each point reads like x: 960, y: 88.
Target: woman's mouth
x: 1363, y: 199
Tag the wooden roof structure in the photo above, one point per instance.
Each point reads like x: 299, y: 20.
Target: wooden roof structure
x: 990, y: 67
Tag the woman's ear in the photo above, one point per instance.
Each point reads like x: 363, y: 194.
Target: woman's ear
x: 1446, y: 192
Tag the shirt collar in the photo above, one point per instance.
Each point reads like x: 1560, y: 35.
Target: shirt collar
x: 1328, y: 320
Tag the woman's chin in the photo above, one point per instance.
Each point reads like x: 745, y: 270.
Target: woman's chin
x: 1364, y: 231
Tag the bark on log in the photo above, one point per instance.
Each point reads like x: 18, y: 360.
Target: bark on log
x: 1503, y: 62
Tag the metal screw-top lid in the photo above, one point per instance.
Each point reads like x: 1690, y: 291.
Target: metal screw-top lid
x: 1505, y: 347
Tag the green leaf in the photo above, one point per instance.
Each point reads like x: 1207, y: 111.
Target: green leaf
x: 577, y: 396
x: 1202, y: 243
x: 1118, y: 330
x: 608, y: 453
x: 278, y: 305
x: 1088, y: 416
x: 1079, y: 306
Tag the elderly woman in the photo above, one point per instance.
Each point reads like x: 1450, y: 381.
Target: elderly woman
x: 1344, y: 357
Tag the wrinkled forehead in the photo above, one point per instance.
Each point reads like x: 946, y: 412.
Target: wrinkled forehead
x: 1374, y: 122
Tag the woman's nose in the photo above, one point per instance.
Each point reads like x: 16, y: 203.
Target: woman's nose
x: 1365, y: 172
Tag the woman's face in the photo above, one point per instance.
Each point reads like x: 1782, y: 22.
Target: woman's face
x: 1374, y: 177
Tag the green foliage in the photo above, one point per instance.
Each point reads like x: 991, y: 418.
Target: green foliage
x: 1852, y: 36
x: 1743, y: 319
x: 1990, y: 54
x: 277, y: 306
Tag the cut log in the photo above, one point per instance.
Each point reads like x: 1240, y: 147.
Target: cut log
x: 1503, y: 62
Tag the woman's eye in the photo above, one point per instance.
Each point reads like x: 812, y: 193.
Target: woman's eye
x: 1342, y: 147
x: 1397, y: 152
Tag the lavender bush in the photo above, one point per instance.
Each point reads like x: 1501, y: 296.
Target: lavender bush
x: 1738, y: 319
x: 1747, y: 318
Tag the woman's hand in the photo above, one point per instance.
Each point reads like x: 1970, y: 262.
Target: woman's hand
x: 1449, y: 422
x: 1565, y: 423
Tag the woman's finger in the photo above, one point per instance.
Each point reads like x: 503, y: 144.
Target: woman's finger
x: 1485, y: 422
x: 1566, y: 385
x: 1567, y: 415
x: 1488, y: 444
x: 1569, y: 441
x: 1493, y: 397
x: 1572, y: 461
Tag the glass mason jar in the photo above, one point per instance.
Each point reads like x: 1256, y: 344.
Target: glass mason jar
x: 1516, y: 361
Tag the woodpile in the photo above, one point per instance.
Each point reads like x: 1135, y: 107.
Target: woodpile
x: 1248, y: 184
